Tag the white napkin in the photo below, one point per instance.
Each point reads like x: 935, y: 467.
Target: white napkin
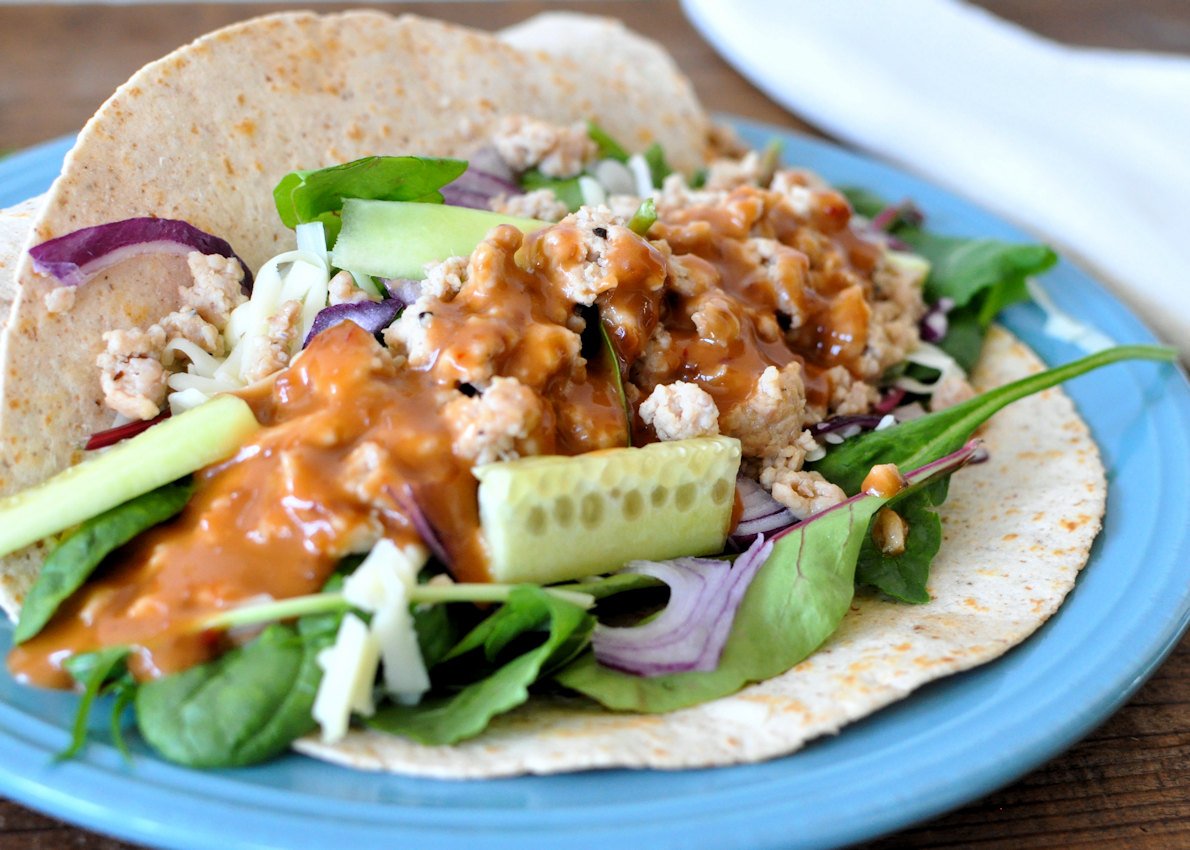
x: 1087, y: 149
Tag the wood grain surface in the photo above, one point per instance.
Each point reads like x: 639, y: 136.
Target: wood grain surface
x: 1127, y: 785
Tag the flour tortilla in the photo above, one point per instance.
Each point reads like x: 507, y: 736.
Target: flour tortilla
x: 205, y: 134
x: 1014, y: 542
x: 314, y: 91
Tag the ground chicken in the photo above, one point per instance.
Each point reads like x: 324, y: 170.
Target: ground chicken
x: 187, y: 324
x: 270, y: 353
x: 680, y: 411
x: 727, y: 174
x: 217, y: 287
x: 676, y: 195
x: 500, y: 424
x: 690, y: 275
x: 786, y: 271
x: 444, y: 280
x: 525, y: 143
x: 365, y: 473
x: 343, y: 290
x: 60, y: 299
x: 131, y: 374
x: 541, y: 204
x: 950, y: 390
x: 771, y: 416
x: 848, y: 394
x: 578, y: 256
x: 804, y: 493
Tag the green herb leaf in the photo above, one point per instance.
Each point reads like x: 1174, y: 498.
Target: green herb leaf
x: 92, y: 670
x: 496, y: 683
x: 920, y: 441
x: 83, y: 550
x: 566, y: 189
x: 244, y: 707
x: 904, y: 576
x: 795, y: 602
x: 658, y: 168
x: 306, y: 196
x: 609, y: 148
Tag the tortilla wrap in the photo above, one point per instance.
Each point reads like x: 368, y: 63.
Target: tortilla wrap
x: 252, y: 102
x: 321, y: 90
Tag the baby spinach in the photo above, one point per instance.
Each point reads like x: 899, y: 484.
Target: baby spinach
x: 306, y: 196
x: 492, y: 681
x: 78, y: 555
x: 981, y: 276
x: 608, y: 147
x: 796, y: 601
x: 920, y: 441
x: 565, y: 189
x: 98, y: 672
x: 246, y: 706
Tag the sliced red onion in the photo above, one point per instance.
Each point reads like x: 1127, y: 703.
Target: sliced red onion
x: 762, y: 514
x: 372, y: 316
x: 704, y: 594
x: 905, y: 212
x: 846, y: 426
x: 889, y: 401
x: 406, y: 500
x: 488, y: 159
x: 403, y: 289
x: 103, y: 439
x: 75, y: 258
x: 934, y: 324
x: 476, y: 188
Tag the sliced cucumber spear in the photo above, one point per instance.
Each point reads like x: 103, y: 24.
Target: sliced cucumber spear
x: 551, y: 519
x: 396, y: 239
x: 164, y: 453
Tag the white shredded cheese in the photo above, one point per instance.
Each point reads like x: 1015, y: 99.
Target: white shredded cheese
x: 381, y: 585
x: 592, y: 192
x: 349, y: 671
x: 642, y: 173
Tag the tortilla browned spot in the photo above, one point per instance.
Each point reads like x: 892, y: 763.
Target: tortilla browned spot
x: 1014, y: 543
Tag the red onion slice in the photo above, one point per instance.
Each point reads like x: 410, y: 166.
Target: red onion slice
x: 691, y: 632
x: 476, y: 188
x: 75, y: 258
x: 103, y: 439
x: 934, y: 325
x: 762, y: 514
x: 405, y: 499
x: 372, y: 316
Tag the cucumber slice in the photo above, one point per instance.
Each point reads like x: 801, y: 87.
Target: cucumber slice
x: 551, y: 519
x: 397, y: 239
x: 164, y: 453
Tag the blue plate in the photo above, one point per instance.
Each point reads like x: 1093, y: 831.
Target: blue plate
x: 948, y: 743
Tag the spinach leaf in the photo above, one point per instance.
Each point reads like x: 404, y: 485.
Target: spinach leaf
x: 609, y: 148
x: 305, y: 196
x: 94, y: 671
x: 498, y: 683
x: 244, y: 707
x: 565, y: 188
x: 795, y: 603
x: 904, y: 576
x: 81, y: 552
x: 920, y: 441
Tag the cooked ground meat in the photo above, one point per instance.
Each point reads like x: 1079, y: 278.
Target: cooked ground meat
x: 680, y: 411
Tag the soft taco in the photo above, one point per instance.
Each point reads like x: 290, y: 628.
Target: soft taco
x: 409, y: 461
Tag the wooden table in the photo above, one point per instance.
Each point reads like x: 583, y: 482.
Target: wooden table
x: 1127, y: 785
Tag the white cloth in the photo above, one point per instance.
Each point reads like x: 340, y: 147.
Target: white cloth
x: 1088, y: 149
